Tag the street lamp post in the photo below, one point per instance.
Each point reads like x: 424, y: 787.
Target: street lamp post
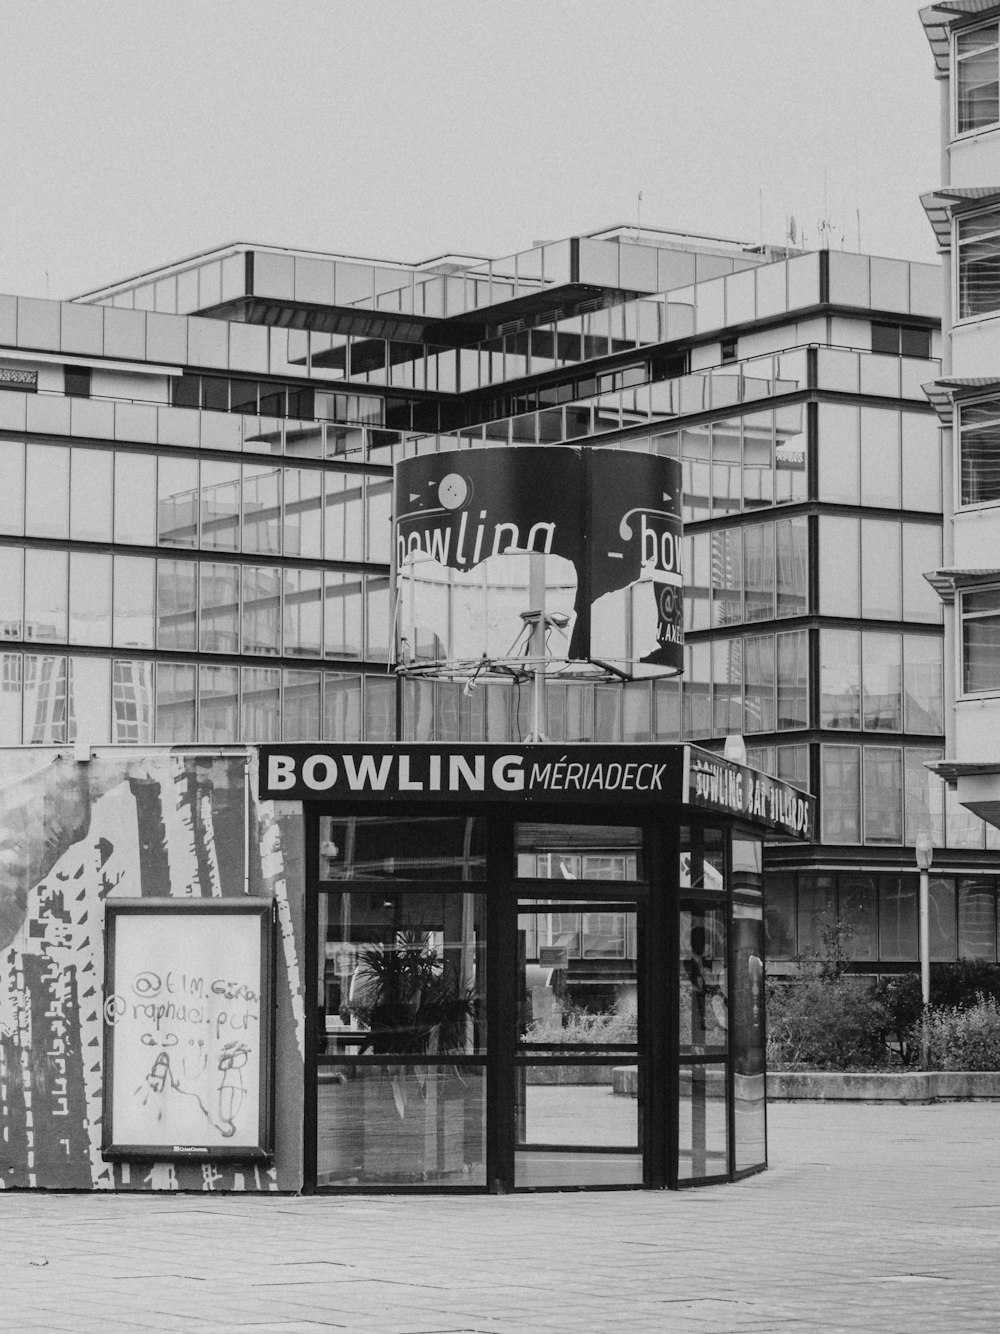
x: 924, y: 851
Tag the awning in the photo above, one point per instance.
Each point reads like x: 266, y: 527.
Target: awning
x: 939, y: 19
x: 950, y: 389
x: 941, y: 204
x: 946, y: 583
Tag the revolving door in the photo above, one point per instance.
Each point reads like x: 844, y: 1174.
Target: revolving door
x: 564, y: 1002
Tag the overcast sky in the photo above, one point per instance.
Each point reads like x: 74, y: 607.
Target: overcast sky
x: 136, y: 132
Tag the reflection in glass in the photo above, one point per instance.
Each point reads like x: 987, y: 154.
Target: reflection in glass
x: 748, y: 1036
x: 578, y: 852
x: 176, y: 604
x: 703, y: 997
x: 89, y: 598
x: 45, y: 595
x: 47, y: 491
x: 220, y: 607
x: 220, y: 505
x: 12, y: 491
x: 262, y: 509
x: 46, y: 699
x: 177, y: 502
x: 132, y: 702
x: 218, y: 704
x: 393, y: 848
x: 300, y: 713
x: 135, y: 499
x: 261, y: 701
x: 261, y: 615
x: 11, y: 593
x: 90, y: 495
x: 401, y: 976
x: 702, y: 1139
x: 175, y: 702
x: 134, y: 602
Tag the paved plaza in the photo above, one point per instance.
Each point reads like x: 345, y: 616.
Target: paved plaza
x: 874, y: 1218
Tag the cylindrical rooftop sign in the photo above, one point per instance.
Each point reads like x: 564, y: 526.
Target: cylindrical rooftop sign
x: 505, y: 555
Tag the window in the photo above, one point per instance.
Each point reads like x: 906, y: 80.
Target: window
x: 901, y: 340
x: 979, y: 264
x: 77, y: 381
x: 979, y: 433
x: 981, y: 641
x: 976, y: 79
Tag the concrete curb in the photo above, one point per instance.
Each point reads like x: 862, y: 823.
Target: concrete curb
x: 919, y: 1086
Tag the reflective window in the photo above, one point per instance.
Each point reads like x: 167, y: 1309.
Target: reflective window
x: 176, y: 604
x: 134, y: 602
x: 46, y: 699
x: 979, y: 262
x: 262, y: 509
x: 45, y: 595
x: 898, y: 917
x: 261, y: 609
x: 90, y: 496
x: 300, y: 706
x: 344, y: 517
x: 981, y: 640
x: 12, y: 491
x: 219, y: 622
x: 261, y: 703
x: 979, y: 426
x: 176, y: 688
x: 880, y: 457
x: 839, y: 566
x: 218, y: 701
x: 921, y: 461
x: 840, y: 793
x: 135, y: 499
x: 883, y: 794
x: 341, y: 707
x: 881, y: 708
x: 177, y: 502
x: 342, y: 614
x: 11, y: 593
x: 89, y: 598
x: 943, y: 919
x: 47, y: 491
x: 839, y: 453
x: 858, y: 906
x: 220, y: 505
x: 840, y: 679
x: 977, y: 919
x: 880, y: 569
x: 303, y: 513
x: 302, y: 613
x: 977, y: 81
x: 791, y: 544
x: 132, y: 702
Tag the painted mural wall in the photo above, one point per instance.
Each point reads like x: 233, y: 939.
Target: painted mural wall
x: 73, y: 836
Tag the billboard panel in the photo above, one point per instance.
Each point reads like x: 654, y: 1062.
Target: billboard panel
x: 507, y: 555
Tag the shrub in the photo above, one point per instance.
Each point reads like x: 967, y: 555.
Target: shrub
x: 902, y: 1004
x: 830, y: 1023
x: 963, y: 1038
x: 578, y: 1025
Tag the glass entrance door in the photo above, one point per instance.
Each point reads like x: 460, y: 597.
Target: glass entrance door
x: 579, y: 1064
x: 579, y: 1074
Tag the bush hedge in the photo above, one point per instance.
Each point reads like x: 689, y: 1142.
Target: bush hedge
x: 824, y: 1019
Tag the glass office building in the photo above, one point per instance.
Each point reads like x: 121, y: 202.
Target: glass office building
x: 195, y: 522
x: 195, y: 541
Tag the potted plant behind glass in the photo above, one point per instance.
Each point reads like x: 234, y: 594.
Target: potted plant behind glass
x: 413, y: 1004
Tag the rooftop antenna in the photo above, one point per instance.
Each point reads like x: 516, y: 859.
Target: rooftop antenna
x: 638, y: 213
x: 858, y: 214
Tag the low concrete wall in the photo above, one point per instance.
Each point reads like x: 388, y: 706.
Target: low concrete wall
x: 904, y: 1086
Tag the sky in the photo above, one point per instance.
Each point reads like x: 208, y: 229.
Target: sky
x: 137, y: 132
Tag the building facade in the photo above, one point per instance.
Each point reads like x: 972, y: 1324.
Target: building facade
x: 195, y: 530
x: 196, y: 548
x: 964, y: 212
